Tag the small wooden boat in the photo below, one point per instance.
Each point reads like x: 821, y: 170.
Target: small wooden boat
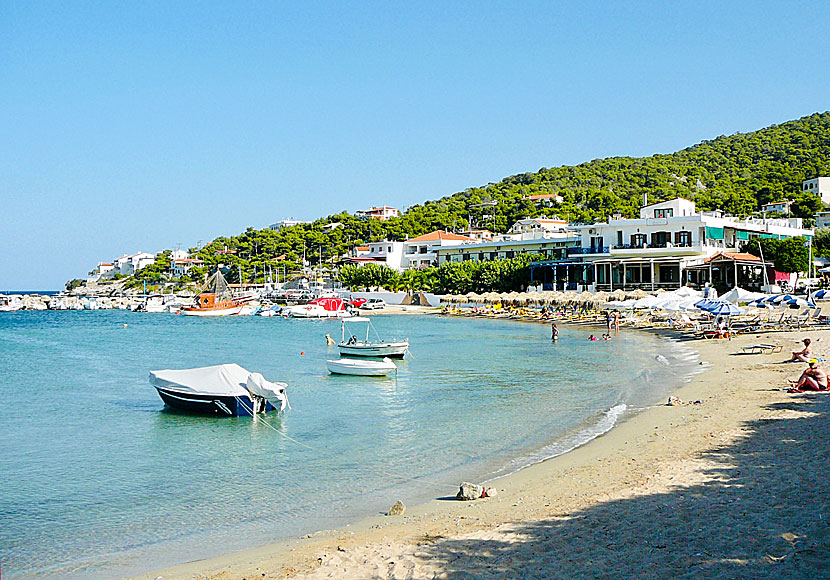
x: 366, y: 368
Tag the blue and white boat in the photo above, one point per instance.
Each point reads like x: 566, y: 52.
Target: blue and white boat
x: 226, y: 390
x: 365, y: 346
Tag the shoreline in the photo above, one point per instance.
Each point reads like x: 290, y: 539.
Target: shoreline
x: 650, y: 454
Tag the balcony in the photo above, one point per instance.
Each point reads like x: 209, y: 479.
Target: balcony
x: 645, y: 246
x: 592, y: 250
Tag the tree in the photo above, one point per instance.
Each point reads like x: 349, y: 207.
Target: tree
x: 790, y: 255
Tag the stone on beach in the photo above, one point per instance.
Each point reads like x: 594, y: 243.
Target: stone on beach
x: 469, y: 491
x: 397, y: 509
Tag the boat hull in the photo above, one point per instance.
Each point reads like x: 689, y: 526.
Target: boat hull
x: 390, y: 350
x: 365, y: 369
x: 199, y: 404
x: 230, y: 311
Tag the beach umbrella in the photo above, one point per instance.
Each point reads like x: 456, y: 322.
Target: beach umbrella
x: 686, y: 292
x: 720, y: 308
x: 739, y: 295
x: 646, y: 301
x: 637, y: 294
x: 618, y: 294
x: 821, y: 294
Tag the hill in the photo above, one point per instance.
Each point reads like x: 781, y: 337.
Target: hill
x: 736, y: 174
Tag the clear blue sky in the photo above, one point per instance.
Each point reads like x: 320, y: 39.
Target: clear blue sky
x: 128, y: 126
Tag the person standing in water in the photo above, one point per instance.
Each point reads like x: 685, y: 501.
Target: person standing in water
x: 554, y: 332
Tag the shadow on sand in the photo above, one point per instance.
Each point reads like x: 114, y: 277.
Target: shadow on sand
x: 762, y: 513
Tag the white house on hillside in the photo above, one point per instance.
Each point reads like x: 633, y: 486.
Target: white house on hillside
x: 127, y: 265
x: 819, y: 186
x: 383, y: 253
x: 381, y: 213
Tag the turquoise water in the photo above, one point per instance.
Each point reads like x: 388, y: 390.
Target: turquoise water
x: 100, y: 481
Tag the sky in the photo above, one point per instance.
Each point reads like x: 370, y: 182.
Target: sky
x: 141, y: 126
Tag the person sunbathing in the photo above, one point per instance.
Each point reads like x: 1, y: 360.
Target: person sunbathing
x: 804, y: 354
x: 814, y: 378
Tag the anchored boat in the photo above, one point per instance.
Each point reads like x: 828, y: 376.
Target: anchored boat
x: 365, y: 346
x: 219, y: 302
x: 367, y: 368
x: 227, y: 389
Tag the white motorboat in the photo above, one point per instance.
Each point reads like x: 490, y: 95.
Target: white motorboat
x: 365, y: 346
x: 225, y: 389
x: 366, y: 368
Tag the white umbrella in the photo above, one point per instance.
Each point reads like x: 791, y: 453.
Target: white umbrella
x: 646, y: 301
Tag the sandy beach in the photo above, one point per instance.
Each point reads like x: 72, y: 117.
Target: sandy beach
x: 731, y: 487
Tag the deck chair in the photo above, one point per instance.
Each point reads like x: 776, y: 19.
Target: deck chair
x: 764, y: 348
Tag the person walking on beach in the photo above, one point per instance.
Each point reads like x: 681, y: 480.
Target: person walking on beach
x: 616, y: 324
x: 609, y: 320
x: 804, y: 354
x: 814, y: 378
x: 554, y: 332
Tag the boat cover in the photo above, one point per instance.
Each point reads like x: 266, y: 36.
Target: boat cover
x: 269, y: 391
x: 220, y: 380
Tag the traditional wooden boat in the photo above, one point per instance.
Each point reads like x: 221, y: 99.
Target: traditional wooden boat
x: 218, y: 302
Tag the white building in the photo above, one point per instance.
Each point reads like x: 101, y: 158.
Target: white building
x: 480, y: 235
x: 666, y: 247
x: 179, y: 254
x: 423, y: 251
x: 549, y: 237
x: 286, y: 223
x: 182, y: 266
x: 127, y: 265
x: 823, y: 219
x: 777, y: 207
x: 383, y: 253
x: 535, y: 228
x: 819, y: 186
x: 381, y: 213
x: 545, y: 199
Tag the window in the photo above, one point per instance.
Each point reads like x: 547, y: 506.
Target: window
x: 683, y: 239
x: 509, y: 254
x: 638, y: 240
x: 659, y: 239
x: 389, y: 249
x: 619, y: 238
x: 665, y: 212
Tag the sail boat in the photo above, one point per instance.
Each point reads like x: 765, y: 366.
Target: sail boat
x: 218, y: 301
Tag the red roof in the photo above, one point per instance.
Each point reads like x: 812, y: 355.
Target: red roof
x: 541, y: 196
x: 441, y: 235
x: 736, y: 256
x: 362, y: 248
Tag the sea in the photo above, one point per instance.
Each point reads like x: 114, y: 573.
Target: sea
x: 100, y: 480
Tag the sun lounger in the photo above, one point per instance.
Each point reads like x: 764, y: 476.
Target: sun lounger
x: 762, y: 348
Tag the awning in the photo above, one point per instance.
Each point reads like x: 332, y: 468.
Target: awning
x: 714, y: 233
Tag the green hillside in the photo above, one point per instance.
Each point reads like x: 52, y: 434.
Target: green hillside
x: 736, y: 174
